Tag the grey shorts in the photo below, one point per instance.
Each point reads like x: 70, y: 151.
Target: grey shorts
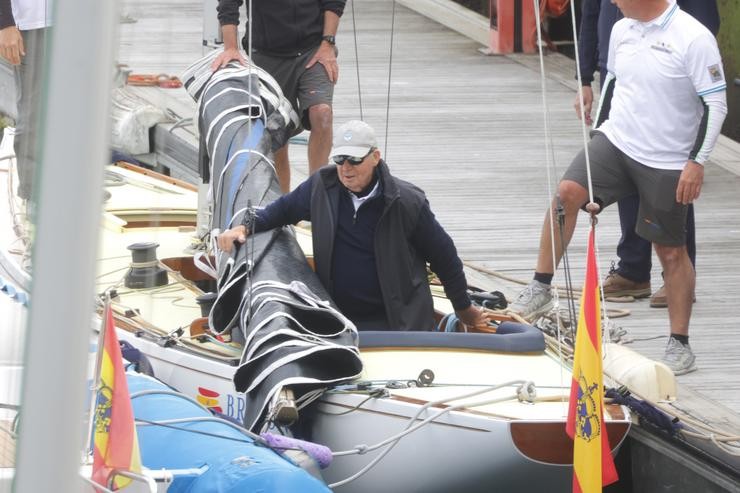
x: 301, y: 86
x: 615, y: 175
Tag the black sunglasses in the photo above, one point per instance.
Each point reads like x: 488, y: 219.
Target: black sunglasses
x: 353, y: 160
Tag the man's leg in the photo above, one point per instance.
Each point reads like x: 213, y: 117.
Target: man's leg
x: 632, y: 275
x: 282, y: 168
x: 691, y: 235
x: 572, y: 196
x: 29, y: 77
x: 659, y: 299
x: 609, y: 183
x: 536, y: 299
x: 316, y: 92
x: 679, y: 279
x: 634, y: 251
x: 319, y: 142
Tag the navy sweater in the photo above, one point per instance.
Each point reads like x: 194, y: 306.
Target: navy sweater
x: 356, y: 288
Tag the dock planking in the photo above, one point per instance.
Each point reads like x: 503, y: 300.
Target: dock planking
x: 470, y: 130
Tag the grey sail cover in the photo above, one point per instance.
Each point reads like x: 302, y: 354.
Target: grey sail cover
x: 268, y: 296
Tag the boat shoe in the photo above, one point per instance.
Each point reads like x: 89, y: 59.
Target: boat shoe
x: 679, y: 357
x: 660, y: 298
x: 533, y: 301
x: 616, y: 286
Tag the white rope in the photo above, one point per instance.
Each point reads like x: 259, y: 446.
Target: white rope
x: 393, y: 440
x: 550, y: 163
x: 584, y: 135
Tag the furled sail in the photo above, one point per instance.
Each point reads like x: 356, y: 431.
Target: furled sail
x: 268, y: 297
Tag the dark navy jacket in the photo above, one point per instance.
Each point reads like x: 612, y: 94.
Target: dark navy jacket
x: 599, y: 16
x: 402, y: 235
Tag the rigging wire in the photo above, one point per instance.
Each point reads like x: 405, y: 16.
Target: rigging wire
x: 390, y: 69
x: 584, y: 136
x: 549, y: 159
x: 357, y: 61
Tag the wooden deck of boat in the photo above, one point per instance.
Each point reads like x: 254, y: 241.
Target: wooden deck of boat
x: 469, y: 130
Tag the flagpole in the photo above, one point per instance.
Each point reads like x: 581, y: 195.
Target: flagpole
x: 95, y: 383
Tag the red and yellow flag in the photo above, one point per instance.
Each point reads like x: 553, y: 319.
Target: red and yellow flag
x: 593, y: 466
x: 116, y: 445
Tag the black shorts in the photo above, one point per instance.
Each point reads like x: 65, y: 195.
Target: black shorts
x: 615, y: 175
x: 301, y: 86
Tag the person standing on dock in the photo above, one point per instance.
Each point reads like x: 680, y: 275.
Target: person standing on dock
x: 660, y: 115
x: 631, y: 277
x: 24, y: 28
x: 294, y: 41
x: 373, y: 235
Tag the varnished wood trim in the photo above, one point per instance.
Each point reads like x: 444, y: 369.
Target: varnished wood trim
x: 187, y: 269
x: 157, y: 176
x: 550, y: 444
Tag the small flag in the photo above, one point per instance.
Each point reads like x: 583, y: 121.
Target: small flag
x: 116, y: 445
x: 593, y: 466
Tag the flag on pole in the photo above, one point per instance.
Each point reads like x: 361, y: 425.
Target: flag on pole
x: 593, y: 466
x: 115, y: 442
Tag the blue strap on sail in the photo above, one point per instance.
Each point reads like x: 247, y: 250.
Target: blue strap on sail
x: 240, y: 163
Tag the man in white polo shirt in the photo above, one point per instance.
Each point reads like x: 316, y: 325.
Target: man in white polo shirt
x: 660, y: 114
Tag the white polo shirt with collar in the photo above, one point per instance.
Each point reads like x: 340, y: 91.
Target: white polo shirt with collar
x: 663, y: 69
x: 31, y: 14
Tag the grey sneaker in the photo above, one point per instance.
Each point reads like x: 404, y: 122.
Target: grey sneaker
x: 533, y: 301
x: 679, y: 357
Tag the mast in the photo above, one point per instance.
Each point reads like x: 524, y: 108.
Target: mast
x: 74, y: 147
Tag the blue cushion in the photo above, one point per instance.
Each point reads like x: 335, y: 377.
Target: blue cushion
x: 510, y: 337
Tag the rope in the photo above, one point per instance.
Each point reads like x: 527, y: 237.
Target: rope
x: 584, y: 135
x: 549, y: 156
x: 393, y: 440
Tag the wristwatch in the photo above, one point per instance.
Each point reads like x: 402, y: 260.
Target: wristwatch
x: 329, y: 38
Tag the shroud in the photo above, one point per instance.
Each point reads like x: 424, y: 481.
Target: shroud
x: 268, y: 296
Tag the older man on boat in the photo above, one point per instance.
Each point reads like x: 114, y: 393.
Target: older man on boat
x: 373, y: 235
x: 663, y: 107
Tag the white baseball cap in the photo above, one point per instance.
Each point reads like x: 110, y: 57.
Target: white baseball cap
x: 354, y: 138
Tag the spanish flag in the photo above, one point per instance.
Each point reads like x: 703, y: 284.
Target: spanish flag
x: 115, y: 442
x: 593, y: 466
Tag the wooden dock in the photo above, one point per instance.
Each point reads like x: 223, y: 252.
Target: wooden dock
x: 470, y: 130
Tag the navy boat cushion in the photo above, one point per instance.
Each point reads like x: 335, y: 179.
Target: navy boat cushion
x: 510, y: 337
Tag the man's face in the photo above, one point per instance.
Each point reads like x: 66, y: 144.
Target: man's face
x: 627, y: 7
x: 642, y: 10
x: 357, y: 177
